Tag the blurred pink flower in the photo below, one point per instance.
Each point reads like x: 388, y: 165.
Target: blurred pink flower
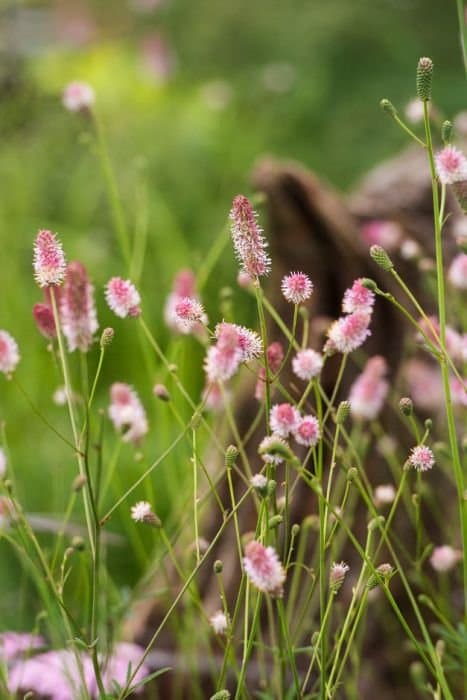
x: 78, y: 97
x: 127, y: 413
x: 263, y: 568
x: 122, y: 297
x: 384, y: 233
x: 77, y: 309
x: 445, y: 558
x: 451, y: 165
x: 307, y: 364
x: 9, y: 353
x: 368, y: 392
x: 284, y: 419
x: 44, y: 318
x: 157, y: 57
x: 457, y: 273
x: 421, y: 458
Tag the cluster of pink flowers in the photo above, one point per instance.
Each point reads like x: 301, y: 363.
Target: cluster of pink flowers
x: 9, y: 353
x: 234, y: 345
x: 285, y: 420
x: 183, y: 311
x: 248, y: 240
x: 122, y: 297
x: 370, y: 389
x: 127, y: 413
x: 297, y: 287
x: 264, y: 569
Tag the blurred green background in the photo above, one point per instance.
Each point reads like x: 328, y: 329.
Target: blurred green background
x: 190, y: 94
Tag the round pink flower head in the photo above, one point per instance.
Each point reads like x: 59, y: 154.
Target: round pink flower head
x: 122, y: 297
x: 44, y: 318
x: 349, y: 332
x: 368, y: 392
x: 250, y: 343
x: 358, y: 297
x: 445, y: 558
x: 457, y: 273
x: 248, y: 240
x: 263, y: 568
x: 451, y: 165
x: 224, y: 358
x: 9, y: 353
x: 284, y: 419
x: 297, y: 287
x: 49, y: 259
x: 77, y: 309
x: 307, y: 431
x: 78, y: 96
x: 421, y: 458
x: 307, y: 364
x: 384, y: 233
x: 189, y: 311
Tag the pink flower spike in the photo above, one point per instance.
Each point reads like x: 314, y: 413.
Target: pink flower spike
x: 77, y: 309
x: 44, y: 318
x: 307, y: 364
x: 284, y: 419
x: 49, y: 259
x: 445, y: 558
x: 358, y: 297
x: 122, y: 297
x: 451, y: 165
x: 127, y: 413
x: 368, y: 392
x: 189, y: 311
x: 421, y: 458
x: 349, y: 332
x: 263, y: 568
x: 307, y: 431
x: 248, y: 240
x: 297, y: 287
x: 78, y: 97
x: 9, y: 353
x: 457, y: 273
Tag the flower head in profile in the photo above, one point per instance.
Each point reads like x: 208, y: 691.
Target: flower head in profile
x: 219, y: 622
x: 263, y: 568
x: 337, y: 575
x: 349, y: 332
x: 297, y: 287
x: 307, y: 432
x: 273, y: 449
x: 122, y: 297
x: 358, y: 298
x: 445, y: 558
x: 284, y: 419
x: 77, y: 308
x: 248, y: 240
x: 127, y: 413
x: 369, y: 390
x: 9, y: 353
x: 307, y: 364
x: 78, y: 96
x: 234, y: 345
x: 451, y: 165
x: 142, y: 512
x: 421, y: 458
x: 189, y: 311
x: 49, y: 260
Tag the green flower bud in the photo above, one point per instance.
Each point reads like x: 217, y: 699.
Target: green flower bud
x: 388, y: 107
x: 381, y: 258
x: 424, y: 78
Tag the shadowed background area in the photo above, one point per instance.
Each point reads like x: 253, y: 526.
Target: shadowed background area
x: 189, y: 95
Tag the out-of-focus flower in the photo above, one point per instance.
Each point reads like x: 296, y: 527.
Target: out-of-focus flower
x: 213, y: 397
x: 49, y: 260
x: 414, y: 111
x: 451, y: 165
x: 234, y: 345
x: 3, y: 462
x: 189, y: 312
x: 219, y: 622
x: 259, y: 482
x: 127, y: 413
x: 424, y: 383
x: 44, y: 318
x: 142, y: 512
x: 387, y: 234
x: 458, y: 391
x: 445, y: 558
x: 77, y: 309
x: 307, y: 432
x: 271, y: 448
x: 358, y: 298
x: 9, y: 353
x: 431, y: 329
x: 263, y: 568
x: 248, y: 240
x: 217, y: 95
x: 349, y: 332
x: 337, y: 575
x: 410, y: 249
x: 307, y: 364
x: 296, y: 287
x: 17, y: 644
x: 278, y: 77
x: 122, y: 297
x: 157, y: 57
x: 384, y: 494
x: 183, y: 292
x: 275, y: 355
x: 421, y: 458
x: 284, y: 419
x: 368, y: 392
x: 78, y: 96
x: 457, y: 273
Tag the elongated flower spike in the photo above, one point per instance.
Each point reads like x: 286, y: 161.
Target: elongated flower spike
x: 77, y: 309
x: 49, y: 259
x: 9, y: 353
x: 248, y: 240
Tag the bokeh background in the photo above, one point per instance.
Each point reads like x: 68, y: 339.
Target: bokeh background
x: 189, y: 94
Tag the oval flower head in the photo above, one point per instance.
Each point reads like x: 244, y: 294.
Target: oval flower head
x: 283, y: 419
x: 45, y: 322
x: 421, y: 458
x: 445, y: 558
x: 297, y: 287
x: 189, y: 312
x: 9, y: 353
x: 248, y: 240
x: 349, y: 332
x: 78, y: 96
x: 358, y: 297
x: 263, y: 568
x: 127, y: 413
x: 49, y: 260
x: 122, y: 297
x: 369, y: 390
x: 307, y: 364
x: 307, y: 431
x: 77, y: 309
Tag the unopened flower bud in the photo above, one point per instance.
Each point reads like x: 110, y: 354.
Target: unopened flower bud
x: 343, y: 411
x: 428, y: 423
x: 376, y: 523
x: 218, y: 566
x: 387, y: 106
x: 418, y: 674
x: 446, y: 132
x: 295, y: 529
x: 221, y: 695
x: 337, y: 576
x: 272, y: 485
x: 231, y: 455
x: 352, y: 474
x: 275, y: 521
x: 424, y: 78
x: 382, y: 575
x: 79, y: 482
x: 406, y: 406
x: 381, y: 258
x: 107, y: 337
x: 161, y: 392
x: 260, y: 483
x: 77, y: 543
x: 368, y: 283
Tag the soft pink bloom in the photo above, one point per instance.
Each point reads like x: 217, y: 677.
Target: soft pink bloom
x: 157, y: 57
x: 127, y: 413
x: 454, y: 340
x: 53, y: 675
x: 284, y: 419
x: 307, y: 431
x: 421, y: 458
x: 424, y: 383
x: 16, y: 644
x: 248, y: 240
x: 259, y: 481
x: 234, y: 345
x: 458, y: 391
x: 184, y: 288
x: 368, y: 392
x: 384, y: 233
x: 189, y: 312
x: 269, y: 443
x: 451, y: 165
x: 457, y: 273
x: 383, y: 494
x: 9, y: 353
x: 414, y: 111
x: 141, y: 511
x: 263, y: 568
x: 219, y: 622
x: 77, y: 310
x: 78, y: 96
x: 445, y: 558
x: 297, y: 287
x: 307, y: 364
x: 358, y: 298
x: 44, y: 318
x: 349, y: 332
x: 275, y: 354
x: 409, y: 249
x: 49, y: 260
x: 244, y: 280
x: 337, y: 575
x: 213, y: 397
x: 122, y: 297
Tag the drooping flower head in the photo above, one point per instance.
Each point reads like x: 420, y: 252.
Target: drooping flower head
x: 248, y: 240
x: 349, y: 332
x: 127, y: 413
x: 78, y: 96
x: 284, y: 419
x: 49, y: 260
x: 263, y: 568
x: 297, y: 287
x: 272, y: 449
x: 184, y: 296
x: 451, y: 165
x: 9, y: 353
x: 337, y: 575
x: 307, y: 364
x: 421, y: 458
x: 369, y: 390
x: 387, y: 234
x: 77, y: 309
x: 358, y: 298
x: 122, y: 297
x: 307, y: 431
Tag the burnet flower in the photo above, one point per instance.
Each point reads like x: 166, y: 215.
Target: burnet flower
x: 44, y: 318
x: 234, y: 345
x: 273, y: 449
x: 78, y: 96
x: 457, y: 273
x: 358, y: 298
x: 219, y: 622
x: 142, y: 512
x: 337, y: 575
x: 421, y: 458
x: 308, y: 431
x: 190, y: 315
x: 77, y: 309
x: 264, y: 569
x: 49, y: 259
x: 189, y: 312
x: 445, y: 558
x: 297, y: 287
x: 127, y: 413
x: 14, y: 645
x: 307, y: 364
x: 284, y: 419
x: 369, y: 390
x: 248, y: 240
x: 9, y: 353
x: 122, y: 297
x: 384, y: 494
x: 451, y: 165
x: 349, y: 332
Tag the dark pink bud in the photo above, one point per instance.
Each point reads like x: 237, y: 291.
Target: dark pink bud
x: 44, y: 319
